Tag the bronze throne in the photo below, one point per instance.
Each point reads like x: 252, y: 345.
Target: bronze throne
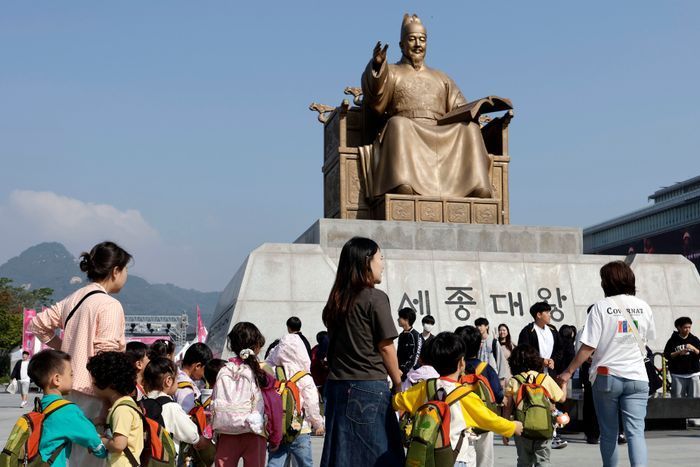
x: 348, y: 127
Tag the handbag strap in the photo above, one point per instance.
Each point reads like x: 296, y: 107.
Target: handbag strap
x: 633, y: 327
x: 75, y: 308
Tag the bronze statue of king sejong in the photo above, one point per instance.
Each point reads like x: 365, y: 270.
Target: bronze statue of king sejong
x: 414, y: 153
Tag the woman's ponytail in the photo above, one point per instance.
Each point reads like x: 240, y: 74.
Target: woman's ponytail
x: 260, y: 375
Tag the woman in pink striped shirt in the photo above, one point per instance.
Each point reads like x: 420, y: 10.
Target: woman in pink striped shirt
x: 91, y: 321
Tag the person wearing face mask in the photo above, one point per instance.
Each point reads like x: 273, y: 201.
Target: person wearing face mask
x: 428, y: 323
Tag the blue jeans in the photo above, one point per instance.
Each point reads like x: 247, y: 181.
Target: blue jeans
x: 612, y: 394
x: 361, y: 426
x: 300, y: 450
x: 684, y: 387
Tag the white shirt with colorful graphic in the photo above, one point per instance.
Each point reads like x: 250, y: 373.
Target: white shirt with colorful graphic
x: 608, y: 331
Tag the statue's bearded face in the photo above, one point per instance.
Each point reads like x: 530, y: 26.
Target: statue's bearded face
x: 413, y: 47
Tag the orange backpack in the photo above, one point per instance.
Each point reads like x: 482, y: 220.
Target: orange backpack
x: 158, y: 446
x: 22, y: 447
x: 481, y: 386
x: 204, y: 457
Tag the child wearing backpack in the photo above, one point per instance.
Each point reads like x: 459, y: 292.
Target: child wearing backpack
x: 457, y: 408
x: 480, y: 374
x: 531, y: 394
x: 138, y: 354
x: 193, y: 363
x: 61, y: 423
x: 211, y: 371
x: 424, y: 372
x: 159, y: 379
x: 239, y: 415
x: 114, y: 379
x: 301, y: 396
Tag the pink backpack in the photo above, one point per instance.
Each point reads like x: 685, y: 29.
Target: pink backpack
x: 237, y: 411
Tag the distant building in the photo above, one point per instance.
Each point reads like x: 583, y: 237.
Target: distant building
x: 671, y: 225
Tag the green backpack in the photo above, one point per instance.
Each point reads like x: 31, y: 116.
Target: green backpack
x: 430, y: 436
x: 533, y: 407
x: 293, y: 417
x: 22, y: 447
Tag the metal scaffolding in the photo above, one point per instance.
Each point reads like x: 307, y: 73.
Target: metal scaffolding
x: 144, y: 325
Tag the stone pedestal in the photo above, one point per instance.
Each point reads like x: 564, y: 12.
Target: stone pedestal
x: 454, y: 272
x: 446, y: 237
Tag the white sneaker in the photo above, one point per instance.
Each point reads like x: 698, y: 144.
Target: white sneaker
x: 23, y: 404
x: 558, y: 443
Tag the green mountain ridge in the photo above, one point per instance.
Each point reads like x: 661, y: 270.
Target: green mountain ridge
x: 52, y: 265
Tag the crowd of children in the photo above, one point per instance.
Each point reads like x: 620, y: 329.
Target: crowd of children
x: 209, y: 411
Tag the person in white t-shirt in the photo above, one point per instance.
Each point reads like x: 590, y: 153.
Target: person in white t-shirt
x: 19, y: 372
x: 618, y: 374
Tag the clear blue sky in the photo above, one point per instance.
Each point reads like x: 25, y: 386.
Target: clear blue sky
x: 181, y: 129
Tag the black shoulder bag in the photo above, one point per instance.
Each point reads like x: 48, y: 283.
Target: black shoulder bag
x: 75, y: 308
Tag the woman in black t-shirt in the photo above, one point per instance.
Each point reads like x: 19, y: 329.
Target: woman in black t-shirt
x: 361, y: 427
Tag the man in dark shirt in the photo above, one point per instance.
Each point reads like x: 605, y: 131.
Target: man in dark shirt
x: 410, y: 342
x: 294, y: 327
x: 541, y: 335
x: 683, y: 353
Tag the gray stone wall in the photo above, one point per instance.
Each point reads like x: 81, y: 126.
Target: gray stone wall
x: 282, y: 280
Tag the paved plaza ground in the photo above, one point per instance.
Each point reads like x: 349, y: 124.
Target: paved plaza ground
x: 666, y: 448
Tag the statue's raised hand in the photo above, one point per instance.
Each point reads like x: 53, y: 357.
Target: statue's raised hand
x: 379, y: 55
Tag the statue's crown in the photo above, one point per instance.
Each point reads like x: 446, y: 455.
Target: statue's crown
x: 411, y: 23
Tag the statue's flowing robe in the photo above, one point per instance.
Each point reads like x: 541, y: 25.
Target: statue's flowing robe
x: 412, y: 149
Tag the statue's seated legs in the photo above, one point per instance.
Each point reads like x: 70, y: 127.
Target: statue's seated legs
x: 432, y: 160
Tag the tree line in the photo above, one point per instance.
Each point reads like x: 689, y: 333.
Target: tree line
x: 13, y: 300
